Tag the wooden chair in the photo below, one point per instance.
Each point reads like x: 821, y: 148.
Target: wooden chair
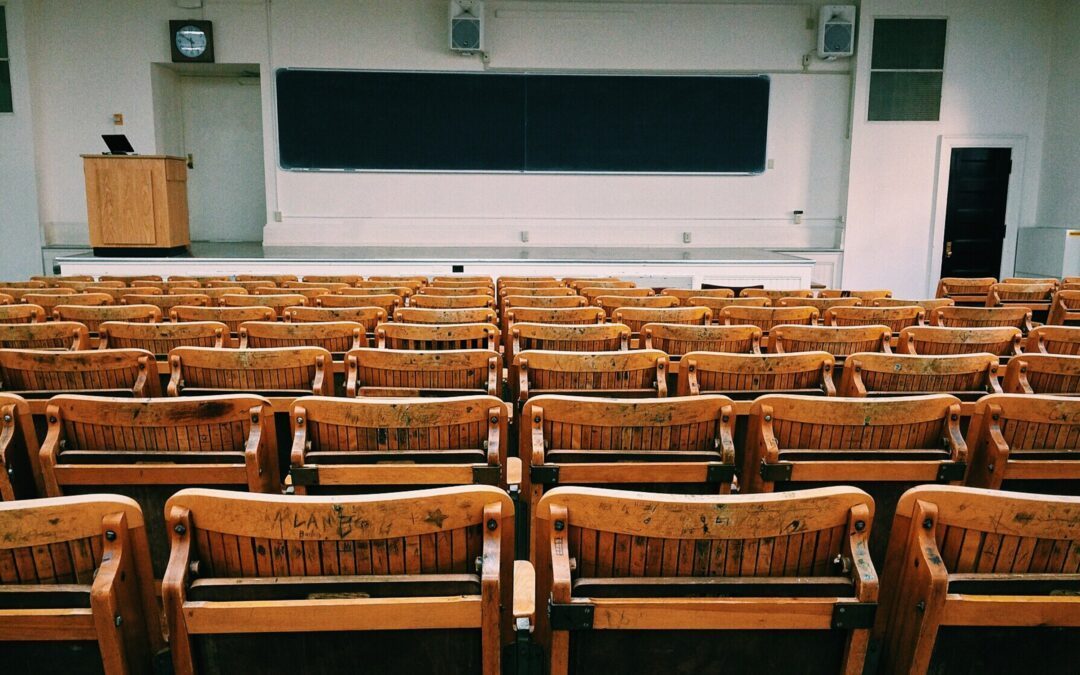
x: 130, y: 279
x: 452, y: 301
x: 166, y: 303
x: 435, y: 337
x: 504, y: 284
x: 451, y: 291
x: 284, y: 371
x: 21, y: 477
x: 866, y: 295
x: 167, y: 286
x: 659, y: 445
x: 54, y: 281
x: 215, y: 294
x: 983, y: 317
x: 387, y: 302
x: 684, y: 294
x: 20, y: 314
x: 413, y: 282
x: 567, y: 316
x: 1042, y: 374
x: 92, y: 316
x: 419, y: 315
x: 396, y: 372
x: 774, y: 295
x: 50, y: 302
x: 345, y: 446
x: 820, y: 304
x: 76, y: 586
x: 962, y: 558
x: 624, y: 374
x: 52, y: 336
x: 639, y: 582
x: 161, y: 338
x: 329, y: 286
x: 6, y: 299
x: 537, y: 292
x: 637, y: 317
x: 20, y: 294
x: 347, y: 279
x: 743, y: 376
x: 717, y: 305
x: 593, y: 295
x: 896, y: 318
x: 840, y: 341
x: 965, y: 291
x: 149, y: 449
x: 400, y: 289
x: 1054, y: 340
x: 461, y: 278
x: 336, y: 337
x: 403, y: 582
x: 542, y: 301
x: 278, y: 302
x: 1032, y: 280
x: 23, y: 284
x: 118, y: 294
x: 932, y: 340
x: 1037, y: 297
x: 248, y: 286
x: 929, y: 305
x: 368, y: 317
x: 597, y: 282
x: 201, y: 279
x: 608, y: 337
x: 230, y: 316
x: 966, y: 376
x: 1026, y: 443
x: 767, y: 317
x: 116, y: 372
x: 309, y: 293
x: 801, y: 441
x: 276, y: 279
x: 678, y: 339
x: 89, y: 286
x: 1065, y: 309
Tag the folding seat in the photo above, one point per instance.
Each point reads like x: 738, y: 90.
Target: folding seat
x: 636, y: 317
x: 677, y: 339
x: 450, y: 291
x: 433, y: 337
x: 328, y: 286
x: 1042, y: 374
x: 929, y: 340
x: 347, y: 279
x: 92, y: 317
x: 767, y: 317
x: 230, y: 316
x: 983, y: 317
x: 716, y: 305
x: 608, y: 337
x: 275, y: 372
x: 130, y: 279
x: 166, y: 303
x: 368, y: 317
x: 50, y: 302
x: 387, y: 302
x: 420, y: 315
x: 928, y: 305
x: 840, y: 341
x: 52, y: 336
x: 610, y: 297
x: 118, y: 294
x: 21, y: 477
x: 896, y: 318
x: 19, y: 294
x: 820, y: 304
x: 452, y: 301
x: 248, y: 286
x: 774, y: 294
x: 1054, y: 340
x: 214, y: 294
x: 278, y: 302
x: 402, y: 289
x: 311, y: 293
x: 865, y: 295
x: 451, y: 372
x: 161, y: 338
x: 684, y: 294
x: 336, y: 337
x: 276, y: 279
x: 1035, y: 296
x: 115, y: 372
x: 746, y: 376
x: 638, y: 373
x: 965, y: 291
x: 1065, y: 310
x: 966, y: 376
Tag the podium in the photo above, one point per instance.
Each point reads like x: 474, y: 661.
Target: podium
x: 136, y: 204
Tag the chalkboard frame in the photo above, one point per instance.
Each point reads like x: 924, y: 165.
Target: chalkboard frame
x: 758, y: 170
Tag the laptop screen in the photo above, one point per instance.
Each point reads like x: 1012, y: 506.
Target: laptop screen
x: 118, y: 144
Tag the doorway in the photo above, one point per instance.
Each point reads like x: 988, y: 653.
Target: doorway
x: 975, y: 211
x: 222, y: 136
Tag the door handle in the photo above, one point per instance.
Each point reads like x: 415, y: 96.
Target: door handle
x: 948, y: 249
x: 190, y: 161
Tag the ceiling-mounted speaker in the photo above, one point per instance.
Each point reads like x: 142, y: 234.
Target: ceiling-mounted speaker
x: 466, y: 26
x: 836, y: 31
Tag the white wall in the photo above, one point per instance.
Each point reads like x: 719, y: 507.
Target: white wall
x: 19, y: 257
x: 1059, y: 204
x: 997, y: 65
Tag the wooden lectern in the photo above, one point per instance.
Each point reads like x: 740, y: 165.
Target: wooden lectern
x: 136, y: 204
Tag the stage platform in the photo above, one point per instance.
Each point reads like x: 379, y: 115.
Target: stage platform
x: 675, y: 267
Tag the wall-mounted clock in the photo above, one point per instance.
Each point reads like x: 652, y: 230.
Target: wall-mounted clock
x: 191, y: 41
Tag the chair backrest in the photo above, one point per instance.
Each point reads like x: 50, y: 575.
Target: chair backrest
x: 421, y: 315
x: 161, y: 338
x: 22, y: 314
x: 450, y: 291
x: 461, y: 278
x: 309, y: 293
x: 820, y: 304
x: 1034, y: 296
x: 85, y: 286
x: 561, y: 315
x: 20, y: 294
x: 1031, y: 280
x: 6, y: 299
x: 749, y: 375
x: 150, y: 448
x: 276, y: 279
x: 51, y: 302
x: 865, y: 295
x: 684, y: 294
x: 400, y: 289
x: 129, y: 279
x: 608, y: 337
x: 637, y: 374
x: 429, y: 337
x: 397, y: 372
x: 929, y: 305
x: 543, y: 301
x: 23, y: 284
x: 329, y: 286
x: 716, y: 305
x: 972, y: 557
x: 340, y: 445
x: 166, y: 286
x: 1065, y: 309
x: 767, y: 317
x: 165, y: 303
x: 277, y: 302
x: 837, y: 340
x: 333, y: 336
x: 214, y: 294
x: 983, y: 317
x: 1043, y: 374
x: 531, y: 288
x: 929, y: 340
x: 896, y: 318
x: 92, y: 317
x: 1054, y: 340
x: 964, y: 289
x: 230, y: 316
x: 775, y: 294
x: 637, y: 317
x: 452, y: 301
x: 81, y: 569
x: 371, y: 550
x: 282, y: 371
x: 967, y: 376
x: 368, y: 317
x: 21, y: 478
x: 115, y: 372
x: 1029, y: 441
x: 118, y: 294
x: 672, y: 563
x: 412, y: 283
x: 387, y: 302
x: 347, y: 279
x: 58, y: 280
x: 678, y: 339
x: 598, y: 282
x: 53, y: 336
x: 609, y: 298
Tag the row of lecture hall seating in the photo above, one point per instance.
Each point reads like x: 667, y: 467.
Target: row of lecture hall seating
x: 669, y: 571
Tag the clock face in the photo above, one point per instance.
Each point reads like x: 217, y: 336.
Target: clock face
x: 191, y: 41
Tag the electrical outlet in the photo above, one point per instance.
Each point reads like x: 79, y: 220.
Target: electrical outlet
x: 277, y: 216
x: 118, y: 119
x: 770, y: 164
x: 524, y: 236
x: 686, y: 237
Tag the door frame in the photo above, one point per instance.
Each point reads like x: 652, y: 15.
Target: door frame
x: 1014, y: 200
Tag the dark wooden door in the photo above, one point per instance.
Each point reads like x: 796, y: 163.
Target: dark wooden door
x: 975, y: 212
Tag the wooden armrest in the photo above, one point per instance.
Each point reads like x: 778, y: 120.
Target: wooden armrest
x: 524, y: 591
x: 513, y: 471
